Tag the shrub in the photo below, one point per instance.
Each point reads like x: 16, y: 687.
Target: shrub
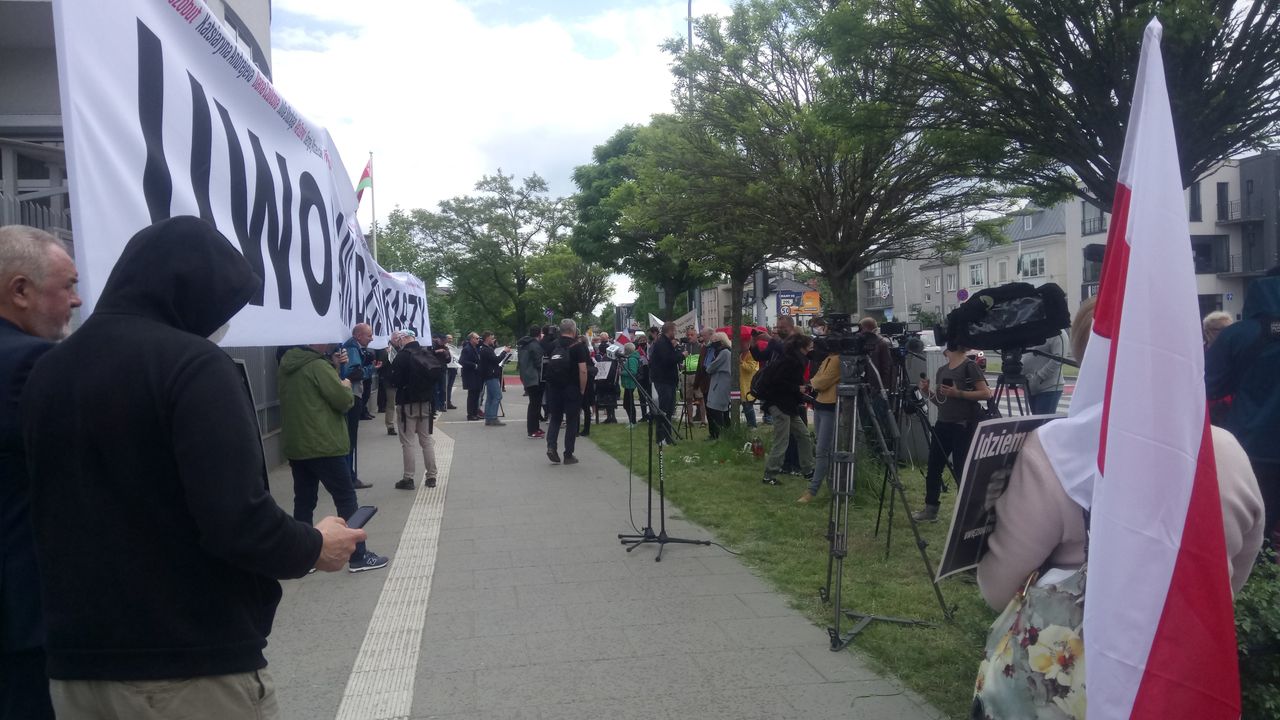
x: 1258, y: 636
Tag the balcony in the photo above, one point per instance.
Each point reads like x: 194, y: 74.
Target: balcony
x: 1241, y: 211
x: 1093, y: 225
x: 876, y: 302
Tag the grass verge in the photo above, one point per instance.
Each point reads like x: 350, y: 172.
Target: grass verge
x: 718, y: 486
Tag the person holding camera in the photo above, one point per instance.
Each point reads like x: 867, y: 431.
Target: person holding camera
x: 780, y: 386
x: 356, y: 369
x: 961, y: 385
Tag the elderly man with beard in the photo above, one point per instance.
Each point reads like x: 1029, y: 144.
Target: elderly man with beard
x: 37, y: 294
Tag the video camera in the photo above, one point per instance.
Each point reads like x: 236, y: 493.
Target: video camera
x: 1007, y: 319
x: 844, y: 338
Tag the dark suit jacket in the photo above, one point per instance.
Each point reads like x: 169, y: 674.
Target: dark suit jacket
x: 21, y: 623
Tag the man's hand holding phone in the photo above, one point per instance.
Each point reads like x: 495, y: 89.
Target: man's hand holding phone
x: 339, y: 541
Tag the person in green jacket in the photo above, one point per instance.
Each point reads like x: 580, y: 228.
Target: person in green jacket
x: 313, y: 407
x: 630, y: 374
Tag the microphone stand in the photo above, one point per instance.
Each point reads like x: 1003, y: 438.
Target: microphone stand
x: 647, y: 535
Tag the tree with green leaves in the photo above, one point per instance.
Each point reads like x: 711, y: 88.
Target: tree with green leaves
x: 851, y: 181
x: 691, y: 182
x: 485, y: 246
x: 605, y: 187
x: 1055, y: 79
x: 569, y: 285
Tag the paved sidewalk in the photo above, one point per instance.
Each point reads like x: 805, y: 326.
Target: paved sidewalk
x: 534, y: 611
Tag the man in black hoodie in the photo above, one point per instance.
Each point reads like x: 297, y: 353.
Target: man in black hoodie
x: 157, y: 541
x: 664, y: 372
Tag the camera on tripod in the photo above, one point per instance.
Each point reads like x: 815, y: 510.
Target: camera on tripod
x: 844, y: 338
x: 1007, y: 319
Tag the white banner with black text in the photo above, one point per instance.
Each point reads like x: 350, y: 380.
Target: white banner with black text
x: 164, y: 115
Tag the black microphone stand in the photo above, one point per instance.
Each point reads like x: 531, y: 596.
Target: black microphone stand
x: 647, y: 535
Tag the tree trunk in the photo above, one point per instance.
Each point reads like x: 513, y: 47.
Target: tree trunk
x: 667, y: 307
x: 735, y: 342
x: 844, y: 293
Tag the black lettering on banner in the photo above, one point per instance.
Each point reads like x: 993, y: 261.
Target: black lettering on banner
x: 347, y: 280
x: 310, y: 198
x: 264, y: 212
x: 157, y: 185
x: 201, y: 149
x: 280, y: 253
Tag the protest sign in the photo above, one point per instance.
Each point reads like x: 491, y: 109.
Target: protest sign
x: 986, y: 474
x: 164, y: 115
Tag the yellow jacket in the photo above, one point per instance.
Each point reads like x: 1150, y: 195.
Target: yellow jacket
x: 747, y: 369
x: 826, y: 379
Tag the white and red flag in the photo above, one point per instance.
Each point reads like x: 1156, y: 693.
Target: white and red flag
x: 1159, y: 633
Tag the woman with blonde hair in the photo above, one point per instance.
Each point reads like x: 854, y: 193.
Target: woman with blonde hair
x: 718, y: 385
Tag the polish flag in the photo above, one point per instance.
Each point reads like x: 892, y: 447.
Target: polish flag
x: 1159, y: 633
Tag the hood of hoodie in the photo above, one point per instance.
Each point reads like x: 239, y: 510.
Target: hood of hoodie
x: 523, y: 341
x: 295, y: 358
x: 181, y: 272
x: 1263, y: 298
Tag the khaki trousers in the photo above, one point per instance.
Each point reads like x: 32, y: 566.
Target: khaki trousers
x: 390, y: 415
x: 243, y: 696
x: 414, y: 425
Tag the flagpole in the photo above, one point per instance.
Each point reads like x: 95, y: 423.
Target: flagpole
x: 373, y: 206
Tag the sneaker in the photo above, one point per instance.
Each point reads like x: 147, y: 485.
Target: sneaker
x: 569, y: 459
x: 553, y: 456
x: 537, y: 435
x: 370, y: 561
x: 451, y: 406
x: 362, y: 485
x: 494, y: 423
x: 928, y: 514
x: 392, y: 431
x: 770, y: 481
x: 366, y: 416
x: 311, y: 571
x: 806, y: 498
x: 430, y: 482
x: 405, y: 484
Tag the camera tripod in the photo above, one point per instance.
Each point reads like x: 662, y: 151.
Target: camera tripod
x: 1011, y: 377
x: 905, y: 404
x: 854, y: 404
x: 647, y: 536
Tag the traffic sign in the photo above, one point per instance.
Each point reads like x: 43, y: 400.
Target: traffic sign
x: 962, y: 294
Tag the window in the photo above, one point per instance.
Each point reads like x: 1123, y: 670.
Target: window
x: 977, y: 274
x: 1026, y: 222
x: 951, y: 283
x: 1193, y: 202
x: 1031, y: 265
x: 1210, y: 254
x: 1002, y: 270
x: 1224, y: 201
x: 928, y: 284
x: 1091, y: 219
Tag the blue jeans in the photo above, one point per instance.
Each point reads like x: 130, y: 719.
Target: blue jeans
x: 824, y: 427
x: 440, y: 393
x: 492, y: 398
x: 331, y: 472
x: 1045, y: 403
x: 749, y: 412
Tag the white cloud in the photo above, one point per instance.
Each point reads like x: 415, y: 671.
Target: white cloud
x: 440, y: 98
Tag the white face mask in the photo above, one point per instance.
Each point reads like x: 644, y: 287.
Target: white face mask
x: 216, y: 337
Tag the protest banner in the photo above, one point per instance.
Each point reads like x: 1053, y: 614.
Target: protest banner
x: 163, y: 116
x: 986, y: 474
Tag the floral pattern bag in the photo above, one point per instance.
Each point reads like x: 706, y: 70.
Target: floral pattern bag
x: 1033, y: 666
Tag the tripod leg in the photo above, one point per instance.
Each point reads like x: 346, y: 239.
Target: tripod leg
x: 921, y: 544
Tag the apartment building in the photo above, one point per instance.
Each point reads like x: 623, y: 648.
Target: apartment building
x: 1233, y: 215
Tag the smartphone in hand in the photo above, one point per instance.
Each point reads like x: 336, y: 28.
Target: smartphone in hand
x: 361, y: 516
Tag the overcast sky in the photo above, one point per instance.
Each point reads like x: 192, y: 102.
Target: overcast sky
x: 444, y: 91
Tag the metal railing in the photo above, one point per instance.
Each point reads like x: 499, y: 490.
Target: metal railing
x: 1093, y: 225
x: 19, y: 212
x: 1242, y: 210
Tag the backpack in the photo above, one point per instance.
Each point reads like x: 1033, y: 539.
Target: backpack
x: 424, y: 371
x: 561, y: 370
